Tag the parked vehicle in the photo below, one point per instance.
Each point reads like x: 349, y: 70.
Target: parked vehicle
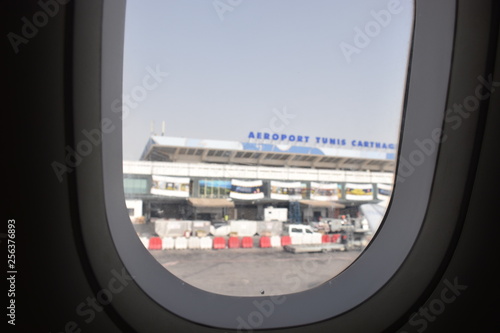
x: 298, y: 229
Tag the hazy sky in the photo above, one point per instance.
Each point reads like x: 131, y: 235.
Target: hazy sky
x: 234, y: 65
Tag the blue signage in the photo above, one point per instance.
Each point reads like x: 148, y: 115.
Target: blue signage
x: 317, y: 140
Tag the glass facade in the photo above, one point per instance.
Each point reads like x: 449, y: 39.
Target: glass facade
x: 267, y: 189
x: 214, y: 188
x: 135, y: 185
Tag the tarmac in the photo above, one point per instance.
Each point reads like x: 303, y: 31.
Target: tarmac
x: 254, y: 271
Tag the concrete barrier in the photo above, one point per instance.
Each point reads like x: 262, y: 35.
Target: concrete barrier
x: 244, y: 227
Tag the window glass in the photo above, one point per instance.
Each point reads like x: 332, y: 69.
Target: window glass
x: 260, y: 137
x: 133, y: 186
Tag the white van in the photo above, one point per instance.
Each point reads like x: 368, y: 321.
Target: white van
x: 302, y: 234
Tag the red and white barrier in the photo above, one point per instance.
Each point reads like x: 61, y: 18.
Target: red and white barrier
x: 234, y: 242
x: 265, y: 242
x: 286, y: 240
x: 219, y: 243
x: 336, y: 238
x: 247, y: 242
x: 155, y: 243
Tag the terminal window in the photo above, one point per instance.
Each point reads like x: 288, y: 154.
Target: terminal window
x: 244, y: 119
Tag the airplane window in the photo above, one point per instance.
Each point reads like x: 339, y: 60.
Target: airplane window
x: 260, y: 137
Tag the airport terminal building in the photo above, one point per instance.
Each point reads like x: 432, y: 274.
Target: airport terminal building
x: 196, y: 179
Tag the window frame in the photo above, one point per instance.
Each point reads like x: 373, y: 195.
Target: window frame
x: 97, y: 77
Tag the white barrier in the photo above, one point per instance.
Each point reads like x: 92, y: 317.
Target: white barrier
x: 180, y: 243
x: 145, y: 241
x: 206, y: 243
x: 167, y: 243
x: 275, y: 241
x: 193, y: 243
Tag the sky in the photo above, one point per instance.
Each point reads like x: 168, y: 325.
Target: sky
x: 219, y: 69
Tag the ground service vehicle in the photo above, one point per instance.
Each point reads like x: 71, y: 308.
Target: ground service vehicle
x: 321, y: 247
x: 304, y: 239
